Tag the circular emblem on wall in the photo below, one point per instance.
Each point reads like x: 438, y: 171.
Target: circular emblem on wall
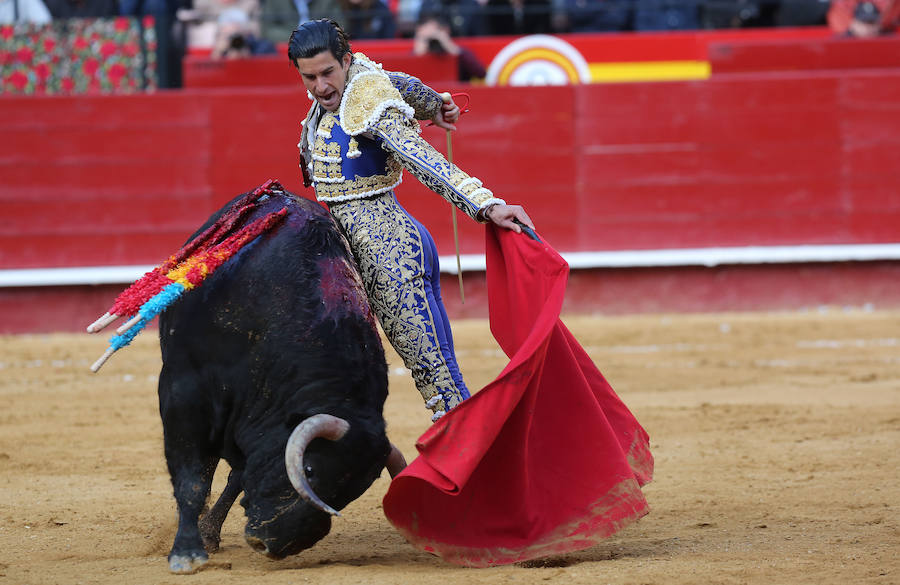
x: 538, y: 60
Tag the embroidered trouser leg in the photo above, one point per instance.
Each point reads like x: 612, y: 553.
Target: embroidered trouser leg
x: 399, y: 266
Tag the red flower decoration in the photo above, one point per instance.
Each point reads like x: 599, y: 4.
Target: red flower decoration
x: 24, y: 55
x: 116, y: 72
x: 148, y: 22
x: 90, y: 67
x: 42, y: 70
x: 108, y: 49
x: 18, y: 80
x: 103, y: 53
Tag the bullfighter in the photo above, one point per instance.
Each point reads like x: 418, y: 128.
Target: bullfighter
x: 359, y: 135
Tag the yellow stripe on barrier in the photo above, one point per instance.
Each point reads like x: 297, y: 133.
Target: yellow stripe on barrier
x: 649, y: 71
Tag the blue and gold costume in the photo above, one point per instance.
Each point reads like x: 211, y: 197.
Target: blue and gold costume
x: 355, y: 158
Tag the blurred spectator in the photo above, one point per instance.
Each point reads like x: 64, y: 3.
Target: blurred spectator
x: 406, y: 15
x: 802, y: 13
x: 82, y: 8
x: 740, y: 13
x: 171, y: 35
x: 368, y: 19
x: 279, y: 18
x: 150, y: 7
x: 666, y: 15
x: 33, y: 11
x: 598, y: 15
x: 465, y: 17
x: 237, y: 37
x: 203, y: 19
x: 433, y: 36
x: 864, y: 18
x: 518, y: 17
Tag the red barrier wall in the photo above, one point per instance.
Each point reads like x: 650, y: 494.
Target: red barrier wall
x: 748, y: 55
x: 750, y: 160
x: 274, y: 70
x: 800, y: 158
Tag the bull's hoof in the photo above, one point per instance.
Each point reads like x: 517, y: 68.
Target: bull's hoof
x: 211, y: 542
x: 186, y: 564
x: 210, y: 533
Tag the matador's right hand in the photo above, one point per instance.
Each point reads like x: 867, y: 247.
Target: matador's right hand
x: 503, y: 216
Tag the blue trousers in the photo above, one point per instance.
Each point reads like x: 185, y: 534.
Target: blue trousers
x: 398, y: 264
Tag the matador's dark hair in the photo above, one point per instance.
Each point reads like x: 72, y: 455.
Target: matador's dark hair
x: 314, y: 36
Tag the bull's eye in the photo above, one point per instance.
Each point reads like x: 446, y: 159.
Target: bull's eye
x: 308, y: 470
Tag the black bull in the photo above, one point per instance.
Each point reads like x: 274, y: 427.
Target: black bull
x: 279, y: 342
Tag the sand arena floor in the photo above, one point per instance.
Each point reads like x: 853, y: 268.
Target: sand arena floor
x: 776, y: 437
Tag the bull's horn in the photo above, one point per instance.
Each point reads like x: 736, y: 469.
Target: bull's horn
x: 319, y: 425
x: 395, y: 461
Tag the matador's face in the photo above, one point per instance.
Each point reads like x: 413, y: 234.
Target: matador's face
x: 325, y: 78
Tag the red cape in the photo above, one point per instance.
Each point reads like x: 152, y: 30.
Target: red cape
x: 543, y: 460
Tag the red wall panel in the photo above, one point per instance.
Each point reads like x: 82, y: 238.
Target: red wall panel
x: 270, y: 70
x: 739, y: 160
x: 736, y: 160
x: 787, y: 54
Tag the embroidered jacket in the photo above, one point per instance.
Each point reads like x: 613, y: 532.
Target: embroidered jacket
x: 360, y: 151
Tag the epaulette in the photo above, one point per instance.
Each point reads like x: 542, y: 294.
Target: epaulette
x: 367, y: 96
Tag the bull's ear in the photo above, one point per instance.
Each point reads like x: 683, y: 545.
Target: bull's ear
x: 295, y: 416
x: 310, y: 399
x: 378, y: 445
x: 292, y: 419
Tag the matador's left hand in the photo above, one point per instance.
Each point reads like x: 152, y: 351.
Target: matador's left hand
x: 448, y: 115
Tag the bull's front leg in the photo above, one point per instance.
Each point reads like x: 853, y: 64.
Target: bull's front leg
x: 191, y: 459
x: 192, y: 480
x: 211, y: 522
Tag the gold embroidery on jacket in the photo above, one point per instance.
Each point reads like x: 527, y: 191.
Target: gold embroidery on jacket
x: 326, y: 154
x: 371, y: 102
x: 369, y: 93
x: 425, y: 101
x: 429, y: 166
x: 361, y: 187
